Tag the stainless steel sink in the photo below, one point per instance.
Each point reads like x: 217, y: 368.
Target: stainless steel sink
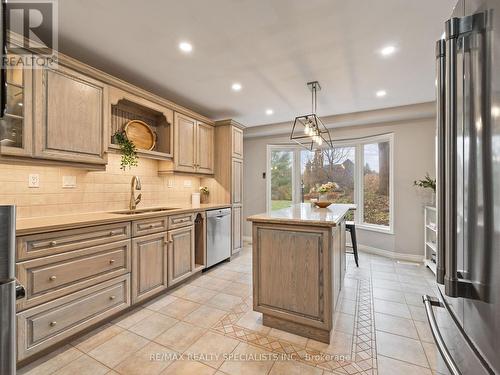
x: 144, y: 210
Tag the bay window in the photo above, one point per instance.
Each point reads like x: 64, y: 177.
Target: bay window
x: 361, y: 169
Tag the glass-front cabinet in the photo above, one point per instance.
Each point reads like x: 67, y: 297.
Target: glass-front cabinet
x: 16, y: 125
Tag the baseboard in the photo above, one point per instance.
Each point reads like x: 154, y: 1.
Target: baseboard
x: 374, y: 250
x: 391, y: 254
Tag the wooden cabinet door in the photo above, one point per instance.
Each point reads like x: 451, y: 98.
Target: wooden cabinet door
x: 16, y: 125
x: 205, y: 148
x: 237, y: 183
x: 185, y: 143
x: 149, y: 266
x: 237, y: 141
x: 180, y: 254
x: 70, y: 116
x: 237, y: 239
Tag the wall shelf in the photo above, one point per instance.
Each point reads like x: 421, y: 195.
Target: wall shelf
x: 125, y: 107
x: 430, y: 238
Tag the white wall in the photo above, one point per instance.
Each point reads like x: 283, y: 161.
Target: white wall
x: 414, y: 155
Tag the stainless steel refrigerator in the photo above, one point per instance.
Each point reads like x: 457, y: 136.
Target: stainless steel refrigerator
x: 465, y: 318
x: 7, y: 291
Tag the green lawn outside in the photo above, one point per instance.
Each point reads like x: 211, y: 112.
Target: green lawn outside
x: 278, y: 205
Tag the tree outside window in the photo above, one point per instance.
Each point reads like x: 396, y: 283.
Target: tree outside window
x: 362, y: 171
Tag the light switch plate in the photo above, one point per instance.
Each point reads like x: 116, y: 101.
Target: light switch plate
x: 34, y: 180
x: 69, y: 181
x: 188, y: 183
x: 170, y: 183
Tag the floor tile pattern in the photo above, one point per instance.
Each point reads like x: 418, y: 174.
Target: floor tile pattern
x: 206, y: 325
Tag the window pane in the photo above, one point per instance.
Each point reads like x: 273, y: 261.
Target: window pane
x: 281, y: 179
x: 329, y: 165
x: 376, y: 183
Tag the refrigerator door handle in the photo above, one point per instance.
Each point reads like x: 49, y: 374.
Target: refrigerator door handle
x: 429, y: 302
x: 441, y: 156
x: 450, y: 164
x: 455, y: 27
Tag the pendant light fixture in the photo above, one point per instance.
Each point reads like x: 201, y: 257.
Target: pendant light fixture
x: 308, y: 130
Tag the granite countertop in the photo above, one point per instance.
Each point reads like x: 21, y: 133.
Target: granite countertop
x: 304, y: 213
x: 61, y: 222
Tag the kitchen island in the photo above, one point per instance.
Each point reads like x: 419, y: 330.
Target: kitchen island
x: 299, y: 267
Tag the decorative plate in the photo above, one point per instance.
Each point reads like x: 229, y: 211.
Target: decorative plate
x: 141, y: 134
x: 322, y: 204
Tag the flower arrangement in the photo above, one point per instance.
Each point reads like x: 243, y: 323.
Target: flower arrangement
x: 426, y: 183
x: 325, y: 188
x: 204, y: 193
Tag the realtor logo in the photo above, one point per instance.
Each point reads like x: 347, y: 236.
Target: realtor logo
x: 32, y: 32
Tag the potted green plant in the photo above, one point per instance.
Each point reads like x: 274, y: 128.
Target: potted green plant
x: 427, y: 183
x: 127, y: 149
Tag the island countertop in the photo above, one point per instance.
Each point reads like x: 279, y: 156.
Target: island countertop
x: 306, y: 214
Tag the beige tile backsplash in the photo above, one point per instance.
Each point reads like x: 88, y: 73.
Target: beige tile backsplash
x: 95, y: 191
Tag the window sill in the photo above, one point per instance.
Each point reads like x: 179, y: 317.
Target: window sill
x: 375, y: 228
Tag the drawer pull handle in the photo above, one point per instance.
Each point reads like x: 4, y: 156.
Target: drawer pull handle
x: 53, y: 243
x: 52, y: 278
x: 112, y: 298
x: 151, y: 226
x: 111, y: 261
x: 53, y: 324
x: 113, y: 232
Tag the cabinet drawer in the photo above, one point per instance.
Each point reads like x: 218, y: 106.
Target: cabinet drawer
x: 149, y: 226
x: 47, y: 324
x: 57, y: 275
x: 181, y: 220
x: 40, y: 245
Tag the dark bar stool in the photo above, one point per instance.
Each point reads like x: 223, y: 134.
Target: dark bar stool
x: 351, y: 228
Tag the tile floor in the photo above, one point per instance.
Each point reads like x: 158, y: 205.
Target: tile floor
x: 208, y: 327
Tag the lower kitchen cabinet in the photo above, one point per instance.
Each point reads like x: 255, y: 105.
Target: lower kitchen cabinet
x: 181, y: 262
x: 237, y: 241
x: 149, y: 266
x: 42, y: 326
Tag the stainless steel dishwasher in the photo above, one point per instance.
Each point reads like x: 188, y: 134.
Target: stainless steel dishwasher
x: 218, y: 235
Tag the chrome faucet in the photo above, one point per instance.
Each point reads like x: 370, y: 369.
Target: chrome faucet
x: 135, y: 185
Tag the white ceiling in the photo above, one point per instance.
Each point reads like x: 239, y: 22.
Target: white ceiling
x: 273, y: 47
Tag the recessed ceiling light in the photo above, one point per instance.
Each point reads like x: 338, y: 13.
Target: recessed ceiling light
x: 495, y: 111
x: 269, y: 112
x: 381, y: 93
x: 387, y: 50
x: 185, y: 47
x: 236, y: 86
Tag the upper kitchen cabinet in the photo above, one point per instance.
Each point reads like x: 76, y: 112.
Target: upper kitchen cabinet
x: 16, y: 125
x: 193, y: 147
x: 70, y: 116
x: 204, y: 148
x: 237, y: 141
x: 153, y: 138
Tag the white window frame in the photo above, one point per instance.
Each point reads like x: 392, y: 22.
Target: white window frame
x: 358, y: 144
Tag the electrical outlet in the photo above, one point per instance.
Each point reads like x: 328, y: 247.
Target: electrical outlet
x: 34, y: 180
x: 188, y: 183
x: 170, y: 183
x: 69, y: 181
